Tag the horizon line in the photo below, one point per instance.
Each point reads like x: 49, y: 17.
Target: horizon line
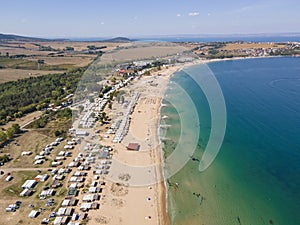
x: 206, y: 35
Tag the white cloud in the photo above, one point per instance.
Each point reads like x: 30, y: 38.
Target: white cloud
x: 178, y: 14
x: 194, y: 14
x: 102, y: 23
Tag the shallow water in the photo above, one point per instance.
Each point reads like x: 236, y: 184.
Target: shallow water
x: 255, y: 178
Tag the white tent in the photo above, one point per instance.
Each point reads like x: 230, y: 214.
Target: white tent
x: 66, y: 202
x: 33, y: 214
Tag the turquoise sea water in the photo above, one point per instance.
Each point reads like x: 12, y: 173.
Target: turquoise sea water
x: 255, y: 178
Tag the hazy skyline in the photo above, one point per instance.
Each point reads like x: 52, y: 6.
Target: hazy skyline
x: 92, y: 18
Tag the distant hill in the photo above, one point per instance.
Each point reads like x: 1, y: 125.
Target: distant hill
x: 119, y: 40
x: 13, y: 37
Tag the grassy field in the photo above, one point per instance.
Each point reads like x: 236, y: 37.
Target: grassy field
x: 32, y: 140
x: 237, y: 46
x: 10, y: 194
x: 13, y: 188
x: 30, y: 48
x: 76, y: 60
x: 56, y: 63
x: 29, y: 141
x: 16, y: 74
x: 35, y: 140
x: 141, y: 52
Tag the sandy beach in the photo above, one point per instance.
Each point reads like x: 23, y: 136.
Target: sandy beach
x: 132, y: 196
x: 135, y: 191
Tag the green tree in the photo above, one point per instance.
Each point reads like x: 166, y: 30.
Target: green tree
x: 10, y: 132
x: 20, y: 114
x: 111, y: 96
x: 113, y: 80
x: 103, y: 117
x: 55, y: 94
x: 4, y: 158
x: 57, y: 133
x: 65, y: 113
x: 3, y: 136
x: 15, y: 115
x: 16, y: 127
x: 147, y: 73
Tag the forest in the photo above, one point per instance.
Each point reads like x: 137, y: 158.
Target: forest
x: 18, y: 98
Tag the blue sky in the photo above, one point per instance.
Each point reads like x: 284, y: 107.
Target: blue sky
x: 133, y: 18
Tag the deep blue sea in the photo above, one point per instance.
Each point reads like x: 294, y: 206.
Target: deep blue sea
x: 255, y: 178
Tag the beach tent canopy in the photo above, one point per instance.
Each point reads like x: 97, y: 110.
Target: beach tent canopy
x: 133, y: 146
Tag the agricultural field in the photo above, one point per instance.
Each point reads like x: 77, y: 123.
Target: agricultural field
x: 239, y: 46
x: 21, y: 59
x: 136, y: 51
x: 16, y: 74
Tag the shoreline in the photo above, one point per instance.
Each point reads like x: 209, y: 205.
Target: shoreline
x: 164, y: 190
x: 165, y: 218
x: 199, y: 61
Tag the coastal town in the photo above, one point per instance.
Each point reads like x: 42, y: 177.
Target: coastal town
x: 84, y: 173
